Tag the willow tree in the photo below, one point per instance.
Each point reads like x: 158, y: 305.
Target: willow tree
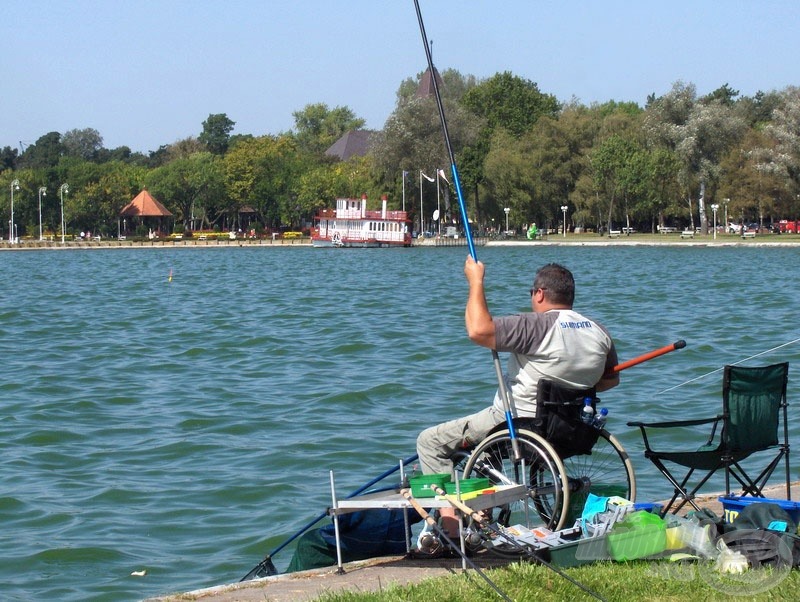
x: 700, y: 132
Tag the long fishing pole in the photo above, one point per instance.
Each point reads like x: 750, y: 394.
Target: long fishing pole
x: 481, y: 520
x: 736, y: 363
x: 504, y: 395
x: 432, y: 522
x: 266, y: 564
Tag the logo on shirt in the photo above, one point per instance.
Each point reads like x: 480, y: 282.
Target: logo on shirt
x: 581, y: 324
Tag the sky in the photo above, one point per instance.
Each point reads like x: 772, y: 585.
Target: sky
x: 145, y: 73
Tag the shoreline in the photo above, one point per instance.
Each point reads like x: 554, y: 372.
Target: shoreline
x: 375, y: 574
x: 571, y: 241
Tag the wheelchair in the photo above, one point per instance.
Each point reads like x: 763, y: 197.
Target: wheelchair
x: 561, y: 461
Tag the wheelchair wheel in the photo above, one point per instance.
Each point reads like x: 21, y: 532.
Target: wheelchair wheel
x: 607, y: 471
x: 540, y: 469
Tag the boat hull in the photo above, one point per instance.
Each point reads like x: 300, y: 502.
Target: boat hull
x: 322, y: 243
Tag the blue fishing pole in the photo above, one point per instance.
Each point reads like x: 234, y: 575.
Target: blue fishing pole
x: 504, y: 395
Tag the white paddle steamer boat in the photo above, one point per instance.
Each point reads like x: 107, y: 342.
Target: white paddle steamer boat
x: 352, y: 225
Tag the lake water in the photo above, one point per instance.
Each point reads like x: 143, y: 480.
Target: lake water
x: 185, y: 428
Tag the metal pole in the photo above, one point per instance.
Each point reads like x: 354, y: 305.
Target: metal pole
x: 64, y: 188
x: 42, y: 191
x: 421, y: 213
x: 11, y: 237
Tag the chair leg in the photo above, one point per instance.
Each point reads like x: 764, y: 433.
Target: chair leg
x: 755, y: 487
x: 679, y: 488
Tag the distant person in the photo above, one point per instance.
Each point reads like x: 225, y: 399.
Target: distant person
x: 552, y: 341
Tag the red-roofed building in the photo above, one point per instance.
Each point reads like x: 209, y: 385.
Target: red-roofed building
x: 146, y: 210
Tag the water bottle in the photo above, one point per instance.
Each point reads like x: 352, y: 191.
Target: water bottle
x: 587, y: 415
x: 601, y: 418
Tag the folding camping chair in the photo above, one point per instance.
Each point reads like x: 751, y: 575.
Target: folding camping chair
x: 753, y: 406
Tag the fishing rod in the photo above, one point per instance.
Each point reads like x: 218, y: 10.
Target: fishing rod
x: 266, y: 567
x: 507, y: 406
x: 649, y: 355
x: 432, y: 522
x: 736, y: 363
x: 481, y: 520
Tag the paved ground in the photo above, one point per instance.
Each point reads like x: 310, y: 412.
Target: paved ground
x: 369, y: 575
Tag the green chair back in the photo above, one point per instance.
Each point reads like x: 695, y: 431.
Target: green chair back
x: 753, y: 399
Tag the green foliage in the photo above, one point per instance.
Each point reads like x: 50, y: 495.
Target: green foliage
x: 510, y: 102
x: 216, y: 133
x: 318, y: 127
x: 515, y: 147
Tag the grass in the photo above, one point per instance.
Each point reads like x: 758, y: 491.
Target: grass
x: 647, y: 238
x: 653, y: 581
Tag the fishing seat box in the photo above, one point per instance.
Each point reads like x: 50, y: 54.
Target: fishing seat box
x: 733, y: 504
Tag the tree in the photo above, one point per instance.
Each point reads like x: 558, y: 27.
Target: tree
x: 614, y: 171
x: 510, y: 102
x: 317, y: 127
x: 700, y: 133
x: 8, y: 158
x: 190, y: 187
x: 45, y: 152
x: 216, y: 133
x: 411, y: 139
x: 84, y: 144
x: 261, y: 173
x: 783, y: 157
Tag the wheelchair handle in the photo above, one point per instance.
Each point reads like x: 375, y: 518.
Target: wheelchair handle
x: 649, y: 355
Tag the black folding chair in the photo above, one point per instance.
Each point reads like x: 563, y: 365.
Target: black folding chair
x: 753, y: 408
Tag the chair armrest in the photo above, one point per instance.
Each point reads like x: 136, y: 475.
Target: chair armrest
x: 675, y: 423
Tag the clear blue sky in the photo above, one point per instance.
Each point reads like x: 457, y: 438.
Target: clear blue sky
x: 149, y: 72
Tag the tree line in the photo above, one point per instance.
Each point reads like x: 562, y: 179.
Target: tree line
x: 517, y: 148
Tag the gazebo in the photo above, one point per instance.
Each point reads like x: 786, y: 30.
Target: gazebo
x: 146, y: 210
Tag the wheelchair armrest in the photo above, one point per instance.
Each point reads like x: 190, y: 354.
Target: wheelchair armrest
x: 675, y: 423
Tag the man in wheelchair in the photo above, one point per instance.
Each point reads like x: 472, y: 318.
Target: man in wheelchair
x: 552, y: 342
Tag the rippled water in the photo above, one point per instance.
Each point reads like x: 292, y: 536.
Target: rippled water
x: 187, y: 427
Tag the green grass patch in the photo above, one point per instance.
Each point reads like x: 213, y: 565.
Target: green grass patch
x: 651, y: 581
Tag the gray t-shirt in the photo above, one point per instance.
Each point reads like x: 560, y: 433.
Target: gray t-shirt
x: 561, y: 345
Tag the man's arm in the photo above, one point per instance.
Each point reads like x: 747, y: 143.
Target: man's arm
x: 478, y: 320
x: 608, y: 381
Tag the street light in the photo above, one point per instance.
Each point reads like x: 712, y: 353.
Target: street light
x: 62, y: 191
x: 714, y: 208
x: 42, y: 192
x: 725, y: 202
x: 11, y: 237
x: 564, y: 211
x: 507, y: 211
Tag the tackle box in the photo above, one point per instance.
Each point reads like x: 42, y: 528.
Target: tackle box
x: 639, y: 534
x: 422, y: 485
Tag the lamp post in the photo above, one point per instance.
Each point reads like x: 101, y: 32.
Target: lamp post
x: 11, y: 237
x: 507, y: 210
x: 714, y: 208
x: 62, y: 191
x: 564, y: 211
x: 725, y: 202
x: 42, y: 192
